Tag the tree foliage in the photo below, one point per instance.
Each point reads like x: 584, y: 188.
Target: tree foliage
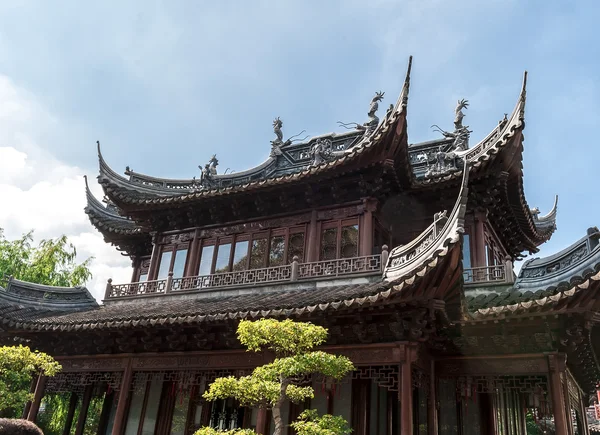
x: 310, y: 423
x: 17, y: 366
x: 51, y: 262
x: 273, y: 384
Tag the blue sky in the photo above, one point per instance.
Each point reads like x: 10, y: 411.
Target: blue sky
x: 164, y: 85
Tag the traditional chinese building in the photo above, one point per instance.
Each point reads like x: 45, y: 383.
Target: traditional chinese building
x: 403, y: 251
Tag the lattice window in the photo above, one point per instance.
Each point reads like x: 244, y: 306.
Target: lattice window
x: 76, y: 382
x: 183, y: 380
x: 490, y: 384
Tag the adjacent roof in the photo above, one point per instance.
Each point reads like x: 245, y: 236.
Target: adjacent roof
x: 567, y: 278
x: 20, y: 298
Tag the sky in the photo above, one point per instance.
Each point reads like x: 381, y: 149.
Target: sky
x: 165, y: 84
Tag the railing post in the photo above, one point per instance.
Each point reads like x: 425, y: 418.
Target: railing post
x: 294, y: 276
x: 108, y: 291
x: 508, y: 271
x: 169, y: 282
x: 384, y: 256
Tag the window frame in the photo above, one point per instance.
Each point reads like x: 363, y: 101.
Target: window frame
x: 174, y: 249
x: 338, y: 224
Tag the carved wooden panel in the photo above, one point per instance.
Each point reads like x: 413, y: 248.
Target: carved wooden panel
x: 92, y: 364
x: 76, y: 382
x: 492, y: 366
x: 204, y: 361
x: 490, y: 384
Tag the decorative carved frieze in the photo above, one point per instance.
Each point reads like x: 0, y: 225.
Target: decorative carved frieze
x: 563, y: 263
x: 76, y: 382
x: 92, y: 364
x: 491, y: 366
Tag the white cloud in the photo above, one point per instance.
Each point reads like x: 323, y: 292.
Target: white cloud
x: 41, y: 193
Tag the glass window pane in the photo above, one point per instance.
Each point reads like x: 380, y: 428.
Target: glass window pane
x: 180, y: 412
x: 276, y: 254
x: 258, y: 254
x: 329, y: 244
x: 206, y: 260
x: 296, y: 247
x: 223, y: 252
x: 135, y: 412
x: 240, y: 255
x: 144, y: 277
x: 165, y: 263
x: 349, y: 248
x: 152, y: 407
x: 179, y: 265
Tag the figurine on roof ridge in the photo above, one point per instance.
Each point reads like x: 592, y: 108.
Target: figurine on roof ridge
x: 209, y: 171
x: 461, y: 132
x: 279, y: 142
x: 373, y: 121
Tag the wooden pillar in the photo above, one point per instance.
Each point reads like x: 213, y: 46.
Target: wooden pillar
x: 105, y: 413
x: 366, y: 229
x: 313, y: 239
x: 565, y: 388
x: 83, y: 411
x: 119, y: 423
x: 37, y: 398
x: 479, y: 244
x: 406, y: 397
x: 194, y: 256
x: 261, y: 421
x: 154, y: 260
x: 70, y: 414
x: 27, y: 406
x: 585, y: 430
x: 556, y: 364
x: 432, y: 417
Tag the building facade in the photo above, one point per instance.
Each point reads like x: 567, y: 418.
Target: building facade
x: 403, y: 251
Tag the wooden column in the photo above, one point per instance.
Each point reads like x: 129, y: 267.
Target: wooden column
x: 432, y: 416
x: 556, y: 364
x: 479, y: 244
x: 154, y: 259
x: 27, y: 406
x: 565, y: 388
x: 313, y: 239
x: 119, y: 424
x: 261, y: 421
x: 406, y: 398
x: 83, y: 411
x: 70, y: 414
x: 366, y: 229
x: 585, y: 430
x: 37, y: 398
x: 193, y: 256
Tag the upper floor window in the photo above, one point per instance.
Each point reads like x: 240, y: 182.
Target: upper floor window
x: 339, y: 239
x: 173, y: 258
x: 251, y: 251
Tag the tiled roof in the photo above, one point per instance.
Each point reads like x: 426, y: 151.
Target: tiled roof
x: 29, y: 301
x: 546, y: 281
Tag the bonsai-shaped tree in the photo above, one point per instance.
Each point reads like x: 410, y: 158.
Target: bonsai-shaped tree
x: 271, y: 386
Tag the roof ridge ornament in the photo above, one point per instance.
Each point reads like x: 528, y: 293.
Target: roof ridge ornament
x: 279, y: 142
x: 209, y: 171
x: 461, y: 132
x: 371, y: 125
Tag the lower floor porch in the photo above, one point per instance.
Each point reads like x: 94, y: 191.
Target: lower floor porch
x: 396, y: 389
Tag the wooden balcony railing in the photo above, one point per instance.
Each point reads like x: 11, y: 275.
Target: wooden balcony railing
x: 295, y: 271
x: 499, y: 273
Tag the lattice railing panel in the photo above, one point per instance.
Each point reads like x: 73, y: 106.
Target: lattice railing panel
x: 341, y: 266
x: 496, y: 273
x: 232, y: 279
x: 76, y: 382
x: 138, y: 288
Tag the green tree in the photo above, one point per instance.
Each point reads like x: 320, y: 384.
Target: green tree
x: 51, y: 262
x: 272, y: 385
x: 17, y: 366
